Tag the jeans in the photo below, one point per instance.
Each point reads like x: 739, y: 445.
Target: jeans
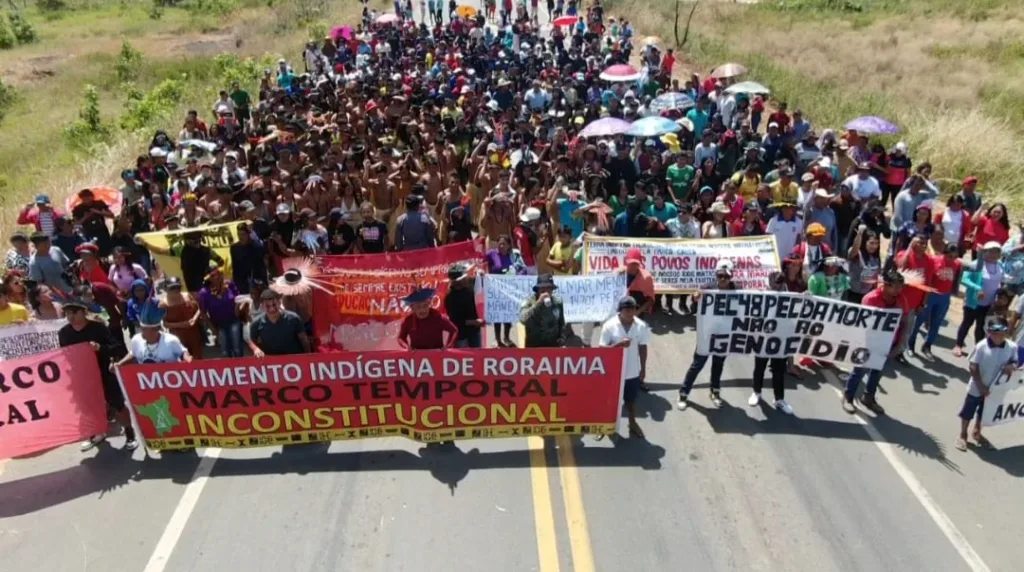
x: 934, y: 313
x: 972, y: 316
x: 502, y: 332
x: 472, y: 340
x: 230, y: 338
x: 778, y: 367
x: 874, y: 377
x: 717, y: 365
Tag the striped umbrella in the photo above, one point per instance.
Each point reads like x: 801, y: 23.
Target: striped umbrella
x: 671, y: 101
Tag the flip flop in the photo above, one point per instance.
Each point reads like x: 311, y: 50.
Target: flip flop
x: 983, y: 442
x: 961, y: 445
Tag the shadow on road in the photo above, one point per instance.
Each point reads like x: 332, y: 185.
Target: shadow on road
x: 732, y: 419
x: 1010, y: 459
x: 111, y: 469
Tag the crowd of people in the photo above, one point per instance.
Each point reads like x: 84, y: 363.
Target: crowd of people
x: 396, y: 136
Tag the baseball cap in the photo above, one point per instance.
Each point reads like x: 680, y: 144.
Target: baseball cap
x: 634, y: 255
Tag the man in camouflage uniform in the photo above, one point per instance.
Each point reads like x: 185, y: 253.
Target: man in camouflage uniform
x: 543, y: 316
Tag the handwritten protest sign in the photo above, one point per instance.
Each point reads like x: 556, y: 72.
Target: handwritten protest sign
x: 44, y: 407
x: 681, y: 265
x: 20, y: 340
x: 1005, y: 403
x: 585, y: 298
x: 780, y: 324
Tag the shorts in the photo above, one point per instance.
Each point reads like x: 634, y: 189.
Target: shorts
x: 973, y: 406
x: 630, y: 389
x: 1020, y: 355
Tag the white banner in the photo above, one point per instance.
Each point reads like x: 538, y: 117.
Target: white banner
x: 585, y: 298
x: 681, y: 265
x: 780, y: 324
x: 1005, y: 403
x: 20, y: 340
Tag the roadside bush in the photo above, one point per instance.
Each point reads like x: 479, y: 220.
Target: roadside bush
x: 156, y: 10
x: 7, y: 39
x: 129, y: 62
x: 23, y: 31
x: 232, y: 68
x: 52, y: 5
x: 210, y: 7
x: 142, y: 111
x: 89, y: 129
x: 7, y: 98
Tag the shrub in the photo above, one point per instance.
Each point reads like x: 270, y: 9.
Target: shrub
x: 142, y: 111
x: 156, y: 10
x: 22, y: 30
x: 210, y: 7
x: 232, y: 68
x: 7, y: 98
x: 7, y: 39
x: 52, y: 5
x: 89, y: 129
x: 129, y: 62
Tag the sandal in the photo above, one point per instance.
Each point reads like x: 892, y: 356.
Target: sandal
x: 958, y: 352
x: 983, y: 442
x: 961, y: 444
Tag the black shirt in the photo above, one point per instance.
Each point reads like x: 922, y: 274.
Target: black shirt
x: 372, y: 236
x: 95, y: 227
x: 460, y: 304
x: 340, y: 239
x: 195, y: 265
x: 278, y: 338
x: 92, y: 332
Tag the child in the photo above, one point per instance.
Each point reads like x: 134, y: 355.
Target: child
x: 138, y: 295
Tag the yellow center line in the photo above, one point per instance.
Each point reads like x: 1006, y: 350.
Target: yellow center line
x: 543, y: 513
x: 575, y: 514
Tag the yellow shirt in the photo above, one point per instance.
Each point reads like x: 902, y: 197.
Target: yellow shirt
x: 560, y: 253
x: 746, y: 187
x: 788, y: 194
x: 13, y: 313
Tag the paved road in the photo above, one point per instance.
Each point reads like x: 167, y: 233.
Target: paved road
x: 734, y: 488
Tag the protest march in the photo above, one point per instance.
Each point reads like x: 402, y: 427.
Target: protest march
x: 477, y: 227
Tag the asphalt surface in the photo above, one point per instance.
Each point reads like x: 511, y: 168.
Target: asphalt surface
x: 730, y: 488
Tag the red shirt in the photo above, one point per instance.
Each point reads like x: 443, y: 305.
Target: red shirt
x: 944, y: 273
x: 911, y: 261
x: 427, y: 333
x: 522, y: 239
x: 781, y: 118
x: 989, y: 230
x: 875, y: 299
x: 667, y: 62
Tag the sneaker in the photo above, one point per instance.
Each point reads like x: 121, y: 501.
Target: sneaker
x: 131, y: 444
x: 755, y: 398
x: 872, y: 405
x: 781, y: 405
x: 92, y: 443
x: 684, y: 401
x: 847, y: 405
x: 716, y: 399
x: 926, y: 351
x: 902, y: 360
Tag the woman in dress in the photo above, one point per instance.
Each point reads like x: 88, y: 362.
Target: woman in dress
x: 183, y: 317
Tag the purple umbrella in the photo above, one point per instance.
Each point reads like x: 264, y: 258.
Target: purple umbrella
x: 341, y: 32
x: 872, y: 124
x: 606, y: 127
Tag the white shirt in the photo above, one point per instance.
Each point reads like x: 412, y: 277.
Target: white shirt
x: 168, y: 350
x: 864, y: 189
x: 702, y: 151
x: 952, y: 223
x: 613, y: 332
x: 537, y: 99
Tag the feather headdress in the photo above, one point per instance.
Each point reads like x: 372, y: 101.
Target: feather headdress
x: 151, y: 315
x: 297, y: 279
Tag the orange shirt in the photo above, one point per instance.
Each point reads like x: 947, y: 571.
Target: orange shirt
x: 643, y: 283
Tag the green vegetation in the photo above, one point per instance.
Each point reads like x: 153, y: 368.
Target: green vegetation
x: 89, y: 129
x: 129, y: 62
x: 7, y: 98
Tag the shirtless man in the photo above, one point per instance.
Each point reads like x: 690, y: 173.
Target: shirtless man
x: 383, y: 193
x: 433, y: 180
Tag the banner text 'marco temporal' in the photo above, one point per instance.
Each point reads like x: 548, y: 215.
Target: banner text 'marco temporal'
x: 781, y: 324
x: 427, y: 396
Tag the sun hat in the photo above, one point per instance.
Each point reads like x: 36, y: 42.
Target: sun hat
x: 419, y: 294
x: 807, y: 177
x: 545, y: 281
x: 822, y: 193
x: 671, y: 140
x: 720, y: 207
x: 815, y: 229
x: 992, y: 245
x: 530, y: 215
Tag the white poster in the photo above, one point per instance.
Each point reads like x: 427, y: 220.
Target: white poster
x: 681, y: 265
x: 1005, y: 403
x: 20, y: 340
x: 585, y: 298
x: 780, y: 324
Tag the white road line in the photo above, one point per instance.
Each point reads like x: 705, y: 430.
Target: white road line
x: 187, y: 503
x: 945, y: 524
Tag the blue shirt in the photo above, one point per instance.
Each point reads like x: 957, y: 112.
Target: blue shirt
x: 566, y: 208
x: 699, y: 119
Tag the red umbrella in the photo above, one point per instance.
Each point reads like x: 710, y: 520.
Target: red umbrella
x: 564, y: 21
x: 107, y: 195
x: 620, y: 72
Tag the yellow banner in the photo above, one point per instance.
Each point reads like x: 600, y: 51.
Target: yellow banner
x: 166, y: 246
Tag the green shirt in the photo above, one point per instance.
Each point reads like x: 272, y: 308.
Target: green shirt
x: 681, y: 179
x: 833, y: 286
x: 651, y: 88
x: 240, y: 98
x: 543, y: 324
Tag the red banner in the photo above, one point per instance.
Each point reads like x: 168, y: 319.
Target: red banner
x: 365, y: 309
x: 42, y: 407
x: 424, y: 395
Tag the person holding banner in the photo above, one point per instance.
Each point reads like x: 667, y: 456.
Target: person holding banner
x: 992, y: 358
x: 888, y: 295
x: 723, y: 281
x: 277, y: 331
x: 626, y: 330
x: 424, y: 327
x: 80, y: 329
x: 460, y: 304
x: 639, y: 282
x: 778, y: 366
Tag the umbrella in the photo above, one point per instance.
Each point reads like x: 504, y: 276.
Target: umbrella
x: 728, y: 70
x: 653, y: 126
x: 465, y: 11
x: 872, y: 124
x: 605, y: 127
x: 341, y: 32
x: 747, y: 87
x: 564, y: 21
x: 106, y: 195
x: 685, y: 122
x: 517, y: 156
x: 671, y: 101
x: 620, y: 72
x: 387, y: 18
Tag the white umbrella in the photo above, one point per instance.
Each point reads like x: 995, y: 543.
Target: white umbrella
x: 747, y: 87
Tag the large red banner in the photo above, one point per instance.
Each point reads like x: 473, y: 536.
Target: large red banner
x: 42, y: 406
x: 365, y: 309
x: 428, y: 395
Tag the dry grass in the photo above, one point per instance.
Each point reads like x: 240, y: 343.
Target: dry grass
x: 81, y: 48
x: 948, y: 72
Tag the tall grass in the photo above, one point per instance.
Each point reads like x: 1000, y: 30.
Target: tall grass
x: 957, y: 141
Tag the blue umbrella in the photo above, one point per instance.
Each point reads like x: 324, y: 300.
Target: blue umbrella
x: 669, y: 101
x: 653, y: 126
